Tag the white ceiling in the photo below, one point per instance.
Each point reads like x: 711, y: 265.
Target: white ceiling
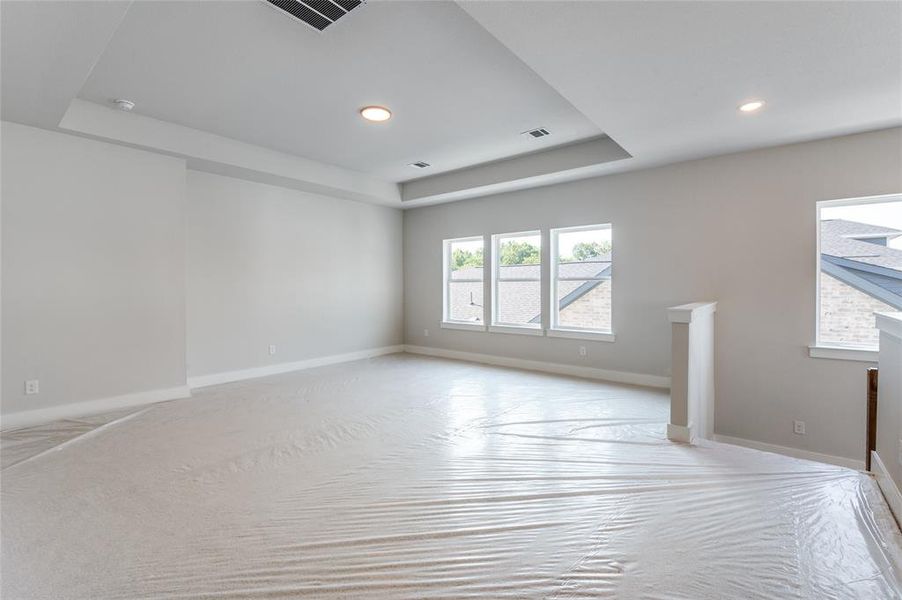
x: 664, y: 78
x: 48, y: 48
x: 247, y: 71
x: 237, y: 87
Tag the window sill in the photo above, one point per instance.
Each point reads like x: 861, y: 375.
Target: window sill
x: 595, y: 336
x: 463, y: 326
x: 840, y: 353
x: 516, y: 330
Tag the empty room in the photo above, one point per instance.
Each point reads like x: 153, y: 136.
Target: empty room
x: 420, y: 299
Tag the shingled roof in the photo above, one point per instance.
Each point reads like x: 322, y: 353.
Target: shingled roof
x: 857, y: 254
x: 523, y: 302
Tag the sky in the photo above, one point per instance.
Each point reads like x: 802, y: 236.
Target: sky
x: 883, y: 214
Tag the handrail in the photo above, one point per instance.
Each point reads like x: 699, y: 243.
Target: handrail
x: 872, y: 417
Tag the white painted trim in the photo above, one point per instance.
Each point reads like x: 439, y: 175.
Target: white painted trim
x: 890, y: 323
x: 841, y: 461
x: 680, y: 433
x: 516, y: 330
x: 839, y: 353
x: 594, y: 336
x: 200, y: 381
x: 861, y: 200
x: 887, y: 485
x: 643, y: 379
x: 685, y: 312
x: 26, y: 418
x: 462, y: 326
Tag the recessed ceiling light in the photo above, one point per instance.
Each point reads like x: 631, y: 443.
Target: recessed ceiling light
x: 751, y: 106
x: 375, y: 113
x: 123, y: 104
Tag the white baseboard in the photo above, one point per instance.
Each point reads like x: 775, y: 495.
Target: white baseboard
x: 200, y: 381
x: 680, y: 433
x: 26, y: 418
x: 841, y: 461
x: 887, y: 486
x: 557, y: 368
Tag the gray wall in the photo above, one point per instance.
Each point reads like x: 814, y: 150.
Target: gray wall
x: 739, y: 229
x: 315, y: 276
x: 93, y: 269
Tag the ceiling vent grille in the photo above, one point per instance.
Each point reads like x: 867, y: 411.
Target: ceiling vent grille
x: 319, y: 14
x: 537, y: 133
x: 420, y: 165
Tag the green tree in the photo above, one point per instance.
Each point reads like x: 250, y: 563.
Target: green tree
x: 587, y: 250
x: 519, y: 253
x: 461, y: 258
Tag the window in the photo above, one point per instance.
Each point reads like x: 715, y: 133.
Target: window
x: 517, y: 282
x: 581, y: 265
x: 859, y: 270
x: 464, y: 305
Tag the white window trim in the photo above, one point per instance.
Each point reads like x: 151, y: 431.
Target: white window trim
x: 831, y: 350
x: 843, y: 353
x: 517, y: 329
x: 463, y: 325
x: 499, y: 326
x: 578, y: 333
x: 447, y: 322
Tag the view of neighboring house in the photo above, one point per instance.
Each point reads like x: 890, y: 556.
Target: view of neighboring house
x: 584, y: 304
x: 860, y: 274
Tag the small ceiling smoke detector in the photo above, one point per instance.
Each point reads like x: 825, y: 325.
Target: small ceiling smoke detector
x: 123, y: 104
x: 419, y: 165
x: 537, y: 133
x: 751, y: 106
x: 375, y: 113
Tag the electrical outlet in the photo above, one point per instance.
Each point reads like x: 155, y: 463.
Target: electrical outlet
x: 32, y: 386
x: 583, y: 351
x: 272, y: 348
x: 798, y: 427
x: 425, y: 333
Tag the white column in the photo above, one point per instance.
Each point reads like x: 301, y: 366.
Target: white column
x: 692, y: 372
x: 886, y: 462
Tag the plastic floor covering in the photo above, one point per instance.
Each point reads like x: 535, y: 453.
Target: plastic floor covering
x: 409, y: 477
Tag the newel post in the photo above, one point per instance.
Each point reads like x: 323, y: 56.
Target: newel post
x: 692, y: 371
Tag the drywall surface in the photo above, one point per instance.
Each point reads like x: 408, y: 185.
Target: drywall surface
x: 311, y: 275
x: 408, y: 478
x: 93, y: 269
x: 737, y: 229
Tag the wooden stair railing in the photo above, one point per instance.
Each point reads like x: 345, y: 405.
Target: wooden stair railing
x: 872, y: 417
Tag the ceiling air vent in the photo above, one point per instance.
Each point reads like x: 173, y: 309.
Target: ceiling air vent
x: 319, y: 14
x: 537, y: 133
x: 420, y: 165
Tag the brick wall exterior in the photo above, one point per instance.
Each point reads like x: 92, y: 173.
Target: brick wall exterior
x: 847, y: 315
x: 593, y: 309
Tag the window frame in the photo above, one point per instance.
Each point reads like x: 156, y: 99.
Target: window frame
x: 834, y: 350
x: 583, y: 333
x: 447, y: 322
x: 496, y: 326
